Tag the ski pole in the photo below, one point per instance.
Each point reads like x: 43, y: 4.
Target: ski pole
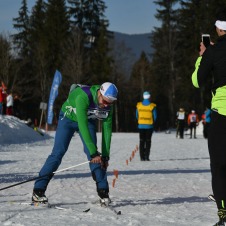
x: 35, y: 178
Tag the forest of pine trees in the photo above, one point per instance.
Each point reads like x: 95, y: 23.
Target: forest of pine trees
x: 72, y: 36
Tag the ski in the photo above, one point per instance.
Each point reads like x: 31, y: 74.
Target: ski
x: 108, y: 207
x: 59, y: 207
x: 43, y: 205
x: 48, y: 205
x: 86, y: 210
x: 111, y: 208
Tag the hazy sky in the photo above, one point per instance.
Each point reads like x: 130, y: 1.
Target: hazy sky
x: 131, y: 16
x: 126, y: 16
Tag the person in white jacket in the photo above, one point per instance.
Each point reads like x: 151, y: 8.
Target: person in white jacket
x: 9, y: 104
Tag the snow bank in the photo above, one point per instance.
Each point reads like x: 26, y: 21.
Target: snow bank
x: 15, y: 131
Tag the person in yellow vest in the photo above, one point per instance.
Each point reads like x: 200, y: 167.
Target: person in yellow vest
x: 146, y: 115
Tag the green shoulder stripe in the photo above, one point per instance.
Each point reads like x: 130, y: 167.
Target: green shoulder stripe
x: 194, y: 75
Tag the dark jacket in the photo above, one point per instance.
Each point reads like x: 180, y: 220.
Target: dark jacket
x: 213, y: 60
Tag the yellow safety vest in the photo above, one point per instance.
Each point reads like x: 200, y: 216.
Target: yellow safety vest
x: 145, y: 115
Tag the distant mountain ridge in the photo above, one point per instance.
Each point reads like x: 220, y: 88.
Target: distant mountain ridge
x: 129, y: 48
x: 136, y: 42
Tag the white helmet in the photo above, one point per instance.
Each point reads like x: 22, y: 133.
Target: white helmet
x: 109, y: 91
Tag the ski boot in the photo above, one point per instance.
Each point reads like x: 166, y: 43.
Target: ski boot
x: 38, y: 197
x: 104, y: 197
x: 222, y: 218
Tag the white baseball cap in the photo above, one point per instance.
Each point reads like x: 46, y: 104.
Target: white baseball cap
x: 146, y: 95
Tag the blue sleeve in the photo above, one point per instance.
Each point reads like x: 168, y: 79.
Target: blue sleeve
x: 155, y: 114
x: 208, y: 113
x: 136, y: 114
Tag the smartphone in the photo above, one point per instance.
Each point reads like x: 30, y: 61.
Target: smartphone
x: 206, y: 40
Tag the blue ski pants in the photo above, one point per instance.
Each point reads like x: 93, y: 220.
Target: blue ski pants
x: 65, y: 130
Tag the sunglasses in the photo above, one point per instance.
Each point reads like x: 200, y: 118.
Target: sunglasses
x: 104, y: 102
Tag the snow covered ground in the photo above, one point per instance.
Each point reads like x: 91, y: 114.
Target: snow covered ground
x: 171, y: 189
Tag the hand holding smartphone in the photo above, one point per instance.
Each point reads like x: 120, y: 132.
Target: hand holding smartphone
x: 206, y: 40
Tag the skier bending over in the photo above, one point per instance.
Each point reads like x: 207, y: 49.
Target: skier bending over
x: 85, y: 104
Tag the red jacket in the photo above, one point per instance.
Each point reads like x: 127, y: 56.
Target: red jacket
x: 2, y: 93
x: 193, y: 117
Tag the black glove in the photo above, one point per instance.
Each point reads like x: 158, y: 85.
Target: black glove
x: 96, y: 158
x: 95, y: 155
x: 104, y: 162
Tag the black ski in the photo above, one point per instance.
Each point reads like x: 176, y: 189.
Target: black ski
x: 48, y: 205
x: 86, y: 210
x: 117, y: 212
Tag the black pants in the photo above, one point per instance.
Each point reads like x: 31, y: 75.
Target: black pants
x: 192, y: 127
x: 145, y: 143
x: 181, y: 124
x: 217, y: 151
x: 206, y: 129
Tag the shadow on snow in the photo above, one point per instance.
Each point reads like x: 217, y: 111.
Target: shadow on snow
x: 164, y: 201
x: 19, y: 177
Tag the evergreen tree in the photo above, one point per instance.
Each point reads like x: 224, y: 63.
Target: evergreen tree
x: 88, y: 16
x: 46, y: 32
x: 74, y: 64
x: 49, y: 34
x: 21, y: 23
x: 57, y: 31
x: 5, y: 60
x: 100, y: 62
x: 23, y: 46
x: 39, y: 50
x: 189, y: 38
x: 140, y: 79
x: 164, y: 41
x: 120, y: 74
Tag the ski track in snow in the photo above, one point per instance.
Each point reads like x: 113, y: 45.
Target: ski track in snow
x: 171, y: 189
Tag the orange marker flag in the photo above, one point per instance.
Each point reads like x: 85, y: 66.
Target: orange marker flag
x: 113, y: 183
x: 127, y: 162
x: 116, y: 173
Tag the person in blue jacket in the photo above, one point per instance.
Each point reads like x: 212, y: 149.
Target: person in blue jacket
x: 146, y: 115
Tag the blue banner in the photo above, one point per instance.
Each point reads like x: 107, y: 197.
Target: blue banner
x: 53, y: 94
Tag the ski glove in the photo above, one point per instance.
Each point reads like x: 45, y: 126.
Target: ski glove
x: 104, y: 162
x: 95, y: 154
x: 96, y: 158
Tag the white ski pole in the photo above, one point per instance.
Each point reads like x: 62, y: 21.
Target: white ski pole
x: 35, y: 178
x: 58, y: 171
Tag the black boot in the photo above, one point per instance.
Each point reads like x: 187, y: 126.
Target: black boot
x: 222, y: 218
x: 142, y: 157
x: 104, y: 197
x: 147, y: 150
x: 103, y: 193
x: 38, y: 196
x: 147, y: 154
